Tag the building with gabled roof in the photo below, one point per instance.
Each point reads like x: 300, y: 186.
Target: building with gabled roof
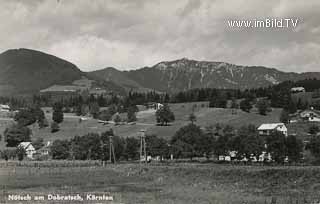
x: 268, y: 128
x: 29, y: 149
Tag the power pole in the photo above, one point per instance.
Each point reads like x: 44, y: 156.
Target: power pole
x: 111, y: 150
x: 143, y: 146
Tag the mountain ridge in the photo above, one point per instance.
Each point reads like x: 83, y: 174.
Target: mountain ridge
x: 28, y: 71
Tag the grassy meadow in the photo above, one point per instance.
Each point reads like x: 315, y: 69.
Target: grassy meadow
x: 146, y: 120
x: 167, y: 183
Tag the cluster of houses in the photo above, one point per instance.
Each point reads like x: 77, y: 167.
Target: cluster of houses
x: 263, y: 130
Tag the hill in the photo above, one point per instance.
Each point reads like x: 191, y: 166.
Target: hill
x: 146, y: 120
x: 183, y: 74
x: 24, y: 71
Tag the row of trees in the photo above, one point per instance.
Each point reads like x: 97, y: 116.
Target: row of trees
x: 188, y: 142
x: 96, y: 147
x: 191, y: 141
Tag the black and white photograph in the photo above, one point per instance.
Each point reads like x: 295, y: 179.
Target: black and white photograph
x: 159, y: 102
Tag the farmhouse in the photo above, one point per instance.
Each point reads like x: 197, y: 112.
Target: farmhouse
x: 267, y: 128
x: 4, y: 108
x: 310, y: 115
x: 30, y: 150
x: 297, y: 89
x: 153, y: 105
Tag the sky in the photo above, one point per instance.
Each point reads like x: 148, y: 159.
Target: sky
x: 129, y: 34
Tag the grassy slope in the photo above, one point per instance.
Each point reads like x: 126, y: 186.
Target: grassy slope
x: 170, y: 183
x: 146, y: 120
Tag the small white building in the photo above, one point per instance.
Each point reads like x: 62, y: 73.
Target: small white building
x: 297, y: 89
x: 29, y: 149
x: 152, y: 105
x: 310, y: 115
x: 4, y: 108
x: 267, y: 128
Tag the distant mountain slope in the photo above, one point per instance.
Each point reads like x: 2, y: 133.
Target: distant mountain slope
x: 111, y: 74
x: 185, y: 74
x: 24, y: 71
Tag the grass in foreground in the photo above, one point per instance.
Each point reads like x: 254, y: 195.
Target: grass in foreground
x: 169, y: 183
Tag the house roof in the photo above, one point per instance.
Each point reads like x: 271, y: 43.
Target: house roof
x: 297, y: 88
x: 4, y: 106
x: 310, y: 111
x: 25, y: 145
x: 269, y: 126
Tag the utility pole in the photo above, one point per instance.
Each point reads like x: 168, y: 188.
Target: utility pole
x: 143, y: 146
x: 111, y: 150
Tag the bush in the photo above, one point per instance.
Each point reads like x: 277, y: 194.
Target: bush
x: 60, y: 149
x: 54, y: 127
x: 21, y: 153
x: 245, y: 105
x: 16, y: 134
x: 164, y: 115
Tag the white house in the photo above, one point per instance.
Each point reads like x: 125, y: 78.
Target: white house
x: 267, y: 128
x: 4, y: 108
x: 30, y: 150
x: 297, y: 89
x: 310, y: 115
x: 152, y: 105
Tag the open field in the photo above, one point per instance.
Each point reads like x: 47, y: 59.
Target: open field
x: 168, y: 183
x: 146, y: 120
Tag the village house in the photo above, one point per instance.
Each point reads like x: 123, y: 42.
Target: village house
x: 297, y: 89
x: 4, y: 108
x: 153, y: 105
x: 267, y: 128
x: 29, y: 149
x: 310, y: 115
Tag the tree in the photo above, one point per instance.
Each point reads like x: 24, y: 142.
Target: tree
x: 38, y: 143
x: 192, y: 118
x: 118, y: 144
x: 234, y: 104
x: 57, y: 115
x: 276, y: 146
x: 117, y: 119
x: 245, y: 105
x: 218, y: 102
x: 157, y: 146
x: 60, y: 149
x: 86, y: 147
x: 284, y: 116
x: 21, y: 153
x: 314, y: 129
x: 132, y: 114
x: 248, y: 143
x: 263, y: 106
x: 16, y: 134
x: 292, y: 106
x: 189, y: 139
x: 94, y: 109
x: 41, y: 119
x: 164, y: 115
x: 54, y: 127
x: 25, y: 117
x: 294, y: 148
x: 131, y: 148
x: 105, y: 115
x: 314, y: 146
